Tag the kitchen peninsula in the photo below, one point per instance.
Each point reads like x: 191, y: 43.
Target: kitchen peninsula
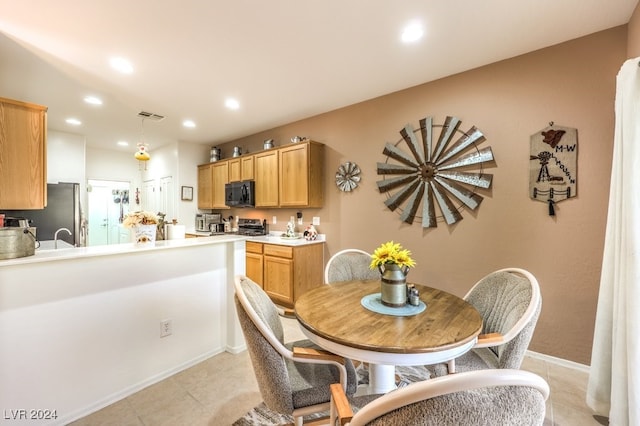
x: 80, y: 327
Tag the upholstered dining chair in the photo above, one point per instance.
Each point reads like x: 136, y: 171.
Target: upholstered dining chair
x: 349, y: 264
x: 509, y: 302
x: 293, y: 378
x: 487, y: 397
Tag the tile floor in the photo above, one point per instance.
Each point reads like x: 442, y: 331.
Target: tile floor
x: 221, y: 389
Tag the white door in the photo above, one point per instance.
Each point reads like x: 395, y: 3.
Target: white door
x: 108, y: 202
x: 168, y: 198
x: 149, y: 197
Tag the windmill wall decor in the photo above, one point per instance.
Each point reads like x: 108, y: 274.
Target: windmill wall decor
x: 553, y: 174
x: 445, y: 172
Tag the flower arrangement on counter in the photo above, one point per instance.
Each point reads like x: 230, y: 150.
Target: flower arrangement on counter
x: 391, y: 253
x: 133, y: 219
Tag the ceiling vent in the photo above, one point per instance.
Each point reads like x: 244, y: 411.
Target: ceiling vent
x: 150, y: 116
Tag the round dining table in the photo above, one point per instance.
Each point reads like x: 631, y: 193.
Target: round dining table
x: 340, y: 318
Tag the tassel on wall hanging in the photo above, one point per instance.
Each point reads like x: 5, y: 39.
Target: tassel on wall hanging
x: 553, y: 173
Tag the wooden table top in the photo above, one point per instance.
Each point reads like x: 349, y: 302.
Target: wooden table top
x: 334, y: 312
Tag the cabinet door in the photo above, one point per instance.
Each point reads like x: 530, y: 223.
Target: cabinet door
x: 220, y: 175
x: 294, y: 177
x: 23, y: 173
x: 278, y: 279
x: 205, y: 186
x: 234, y: 170
x: 254, y: 266
x: 266, y: 178
x: 301, y: 175
x: 247, y: 168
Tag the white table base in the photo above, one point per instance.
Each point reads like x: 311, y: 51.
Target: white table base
x: 382, y: 370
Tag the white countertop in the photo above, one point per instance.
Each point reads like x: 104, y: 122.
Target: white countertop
x: 42, y: 255
x: 277, y: 239
x: 48, y: 254
x: 274, y: 237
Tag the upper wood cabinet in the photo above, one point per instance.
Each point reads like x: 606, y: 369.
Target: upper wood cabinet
x: 23, y: 162
x: 235, y: 170
x: 211, y: 180
x: 300, y: 175
x: 266, y: 178
x: 247, y: 167
x: 220, y: 172
x: 288, y: 176
x: 241, y: 168
x: 205, y: 185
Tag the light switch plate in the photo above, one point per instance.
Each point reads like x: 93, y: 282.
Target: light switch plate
x: 316, y: 221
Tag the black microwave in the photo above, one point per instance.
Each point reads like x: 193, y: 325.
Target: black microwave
x: 240, y: 194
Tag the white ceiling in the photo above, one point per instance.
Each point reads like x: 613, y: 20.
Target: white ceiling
x: 283, y: 60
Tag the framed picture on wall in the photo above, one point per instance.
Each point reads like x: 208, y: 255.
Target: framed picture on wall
x: 187, y: 193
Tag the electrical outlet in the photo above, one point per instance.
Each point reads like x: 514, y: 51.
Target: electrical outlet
x: 316, y: 221
x: 166, y: 328
x: 274, y: 220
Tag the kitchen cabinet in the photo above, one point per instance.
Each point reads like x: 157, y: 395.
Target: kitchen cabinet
x: 241, y: 168
x: 23, y: 171
x: 266, y: 178
x: 211, y: 180
x: 254, y: 262
x: 220, y: 173
x: 246, y: 169
x: 205, y: 185
x: 287, y: 271
x: 300, y: 175
x: 289, y: 176
x: 235, y: 170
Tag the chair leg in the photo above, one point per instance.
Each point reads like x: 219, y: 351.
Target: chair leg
x: 451, y: 366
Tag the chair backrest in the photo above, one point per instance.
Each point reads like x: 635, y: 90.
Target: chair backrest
x: 264, y: 335
x: 509, y: 302
x: 349, y: 264
x: 482, y: 397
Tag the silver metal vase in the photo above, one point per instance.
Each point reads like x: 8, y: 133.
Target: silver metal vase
x: 393, y: 284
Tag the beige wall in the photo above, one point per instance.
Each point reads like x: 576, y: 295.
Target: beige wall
x: 633, y: 38
x: 572, y: 84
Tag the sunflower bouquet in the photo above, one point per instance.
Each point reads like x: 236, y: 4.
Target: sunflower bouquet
x: 134, y: 219
x: 391, y: 253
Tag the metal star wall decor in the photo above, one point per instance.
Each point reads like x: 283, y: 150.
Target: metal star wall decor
x: 442, y: 173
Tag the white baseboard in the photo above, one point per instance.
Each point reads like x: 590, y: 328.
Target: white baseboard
x: 559, y: 361
x: 117, y: 396
x: 236, y: 349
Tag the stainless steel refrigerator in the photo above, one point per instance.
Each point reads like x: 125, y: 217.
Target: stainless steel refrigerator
x: 63, y: 211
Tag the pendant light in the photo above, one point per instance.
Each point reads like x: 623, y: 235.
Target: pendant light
x: 142, y: 154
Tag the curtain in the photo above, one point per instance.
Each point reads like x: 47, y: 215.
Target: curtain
x: 614, y: 378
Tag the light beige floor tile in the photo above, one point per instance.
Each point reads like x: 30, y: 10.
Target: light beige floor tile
x: 221, y: 389
x: 573, y: 416
x: 536, y: 366
x: 120, y: 413
x: 157, y: 397
x: 183, y: 409
x: 568, y: 387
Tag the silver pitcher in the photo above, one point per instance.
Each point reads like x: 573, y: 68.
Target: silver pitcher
x: 393, y: 285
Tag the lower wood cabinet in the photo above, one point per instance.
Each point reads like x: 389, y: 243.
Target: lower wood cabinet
x: 285, y: 272
x: 254, y: 262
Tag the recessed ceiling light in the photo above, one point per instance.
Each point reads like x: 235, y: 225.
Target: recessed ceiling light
x: 232, y: 103
x: 189, y: 123
x: 121, y: 64
x: 93, y: 100
x: 123, y: 143
x: 73, y: 121
x: 412, y: 32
